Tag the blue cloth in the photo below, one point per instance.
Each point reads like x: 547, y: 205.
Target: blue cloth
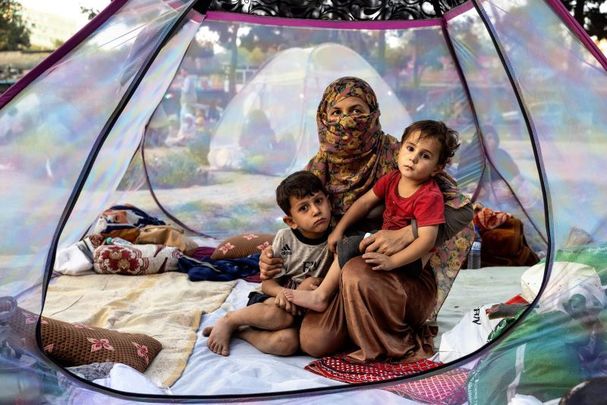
x: 208, y: 269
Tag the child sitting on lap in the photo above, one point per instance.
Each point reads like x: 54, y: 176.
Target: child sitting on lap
x: 409, y: 193
x: 306, y: 257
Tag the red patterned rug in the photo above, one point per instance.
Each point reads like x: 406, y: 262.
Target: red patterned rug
x: 448, y: 388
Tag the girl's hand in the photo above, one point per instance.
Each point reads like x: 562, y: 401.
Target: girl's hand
x: 269, y: 266
x: 378, y: 261
x: 334, y: 237
x: 386, y: 242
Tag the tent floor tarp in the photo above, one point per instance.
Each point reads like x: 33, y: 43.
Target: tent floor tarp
x: 257, y: 372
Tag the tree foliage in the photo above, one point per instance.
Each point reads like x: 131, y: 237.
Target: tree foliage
x: 590, y: 15
x: 14, y: 33
x: 89, y: 12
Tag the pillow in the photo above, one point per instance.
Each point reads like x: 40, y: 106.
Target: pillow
x: 135, y: 259
x: 166, y: 235
x: 77, y: 344
x: 242, y: 245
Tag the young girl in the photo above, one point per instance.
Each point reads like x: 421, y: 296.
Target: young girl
x: 409, y: 193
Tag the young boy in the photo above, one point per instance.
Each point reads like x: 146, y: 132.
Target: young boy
x: 409, y: 193
x: 306, y: 257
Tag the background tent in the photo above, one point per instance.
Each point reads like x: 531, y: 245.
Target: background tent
x: 287, y: 87
x: 127, y: 109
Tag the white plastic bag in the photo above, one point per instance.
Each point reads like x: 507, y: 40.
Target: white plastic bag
x: 74, y: 260
x: 567, y: 279
x: 468, y: 335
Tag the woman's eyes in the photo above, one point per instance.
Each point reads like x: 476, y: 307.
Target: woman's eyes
x: 337, y: 113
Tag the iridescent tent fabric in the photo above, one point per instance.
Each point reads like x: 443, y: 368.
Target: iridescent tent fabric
x: 149, y: 103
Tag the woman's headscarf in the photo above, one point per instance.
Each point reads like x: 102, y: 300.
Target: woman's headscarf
x: 354, y: 152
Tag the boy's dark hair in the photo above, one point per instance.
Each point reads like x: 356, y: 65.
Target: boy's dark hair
x: 447, y: 137
x: 299, y: 184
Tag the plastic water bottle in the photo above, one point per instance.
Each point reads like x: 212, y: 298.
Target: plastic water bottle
x: 116, y: 241
x: 474, y: 257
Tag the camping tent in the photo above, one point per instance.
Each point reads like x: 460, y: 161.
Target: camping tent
x: 92, y: 125
x: 283, y: 86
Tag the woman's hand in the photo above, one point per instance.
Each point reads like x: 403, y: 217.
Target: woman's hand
x: 378, y: 261
x: 387, y: 242
x: 269, y: 266
x: 332, y: 240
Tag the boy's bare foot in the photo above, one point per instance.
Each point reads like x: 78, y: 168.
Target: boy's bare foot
x: 220, y: 335
x: 307, y: 299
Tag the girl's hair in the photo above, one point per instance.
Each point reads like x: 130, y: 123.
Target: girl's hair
x: 447, y: 137
x: 299, y: 184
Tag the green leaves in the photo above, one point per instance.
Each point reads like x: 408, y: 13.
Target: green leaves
x: 14, y: 33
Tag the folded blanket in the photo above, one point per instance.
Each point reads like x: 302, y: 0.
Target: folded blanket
x: 505, y: 245
x: 167, y: 307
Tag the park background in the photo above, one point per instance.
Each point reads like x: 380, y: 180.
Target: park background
x: 31, y: 29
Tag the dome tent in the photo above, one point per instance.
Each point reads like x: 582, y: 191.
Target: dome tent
x: 523, y: 68
x: 284, y: 85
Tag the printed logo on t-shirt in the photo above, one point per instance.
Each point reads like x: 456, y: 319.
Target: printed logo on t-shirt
x: 309, y: 266
x: 286, y: 250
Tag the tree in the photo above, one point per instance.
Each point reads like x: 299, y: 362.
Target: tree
x: 89, y: 12
x: 14, y: 33
x: 591, y: 14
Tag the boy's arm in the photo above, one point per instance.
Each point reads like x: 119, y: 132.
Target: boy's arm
x: 416, y: 250
x: 271, y: 287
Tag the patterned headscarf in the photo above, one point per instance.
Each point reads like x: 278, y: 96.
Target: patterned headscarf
x: 354, y: 152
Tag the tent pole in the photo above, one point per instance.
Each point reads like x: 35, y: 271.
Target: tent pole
x: 61, y: 52
x: 201, y: 6
x: 486, y: 157
x: 563, y: 13
x: 528, y: 122
x: 107, y: 128
x: 532, y: 136
x: 464, y: 82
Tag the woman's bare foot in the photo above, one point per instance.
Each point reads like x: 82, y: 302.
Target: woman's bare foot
x: 307, y: 299
x: 220, y: 335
